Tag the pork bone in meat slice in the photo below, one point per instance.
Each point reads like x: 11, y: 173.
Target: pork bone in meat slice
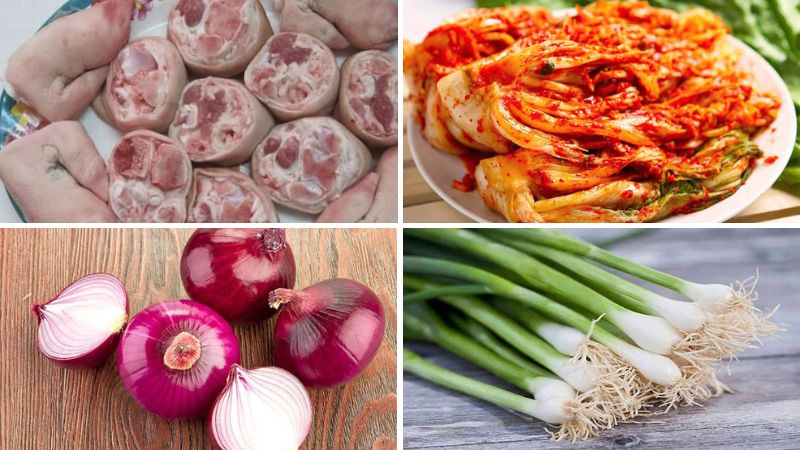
x: 364, y: 24
x: 384, y: 206
x: 150, y: 177
x: 143, y: 85
x: 60, y: 70
x: 218, y: 37
x: 220, y: 121
x: 222, y: 195
x: 295, y: 75
x: 57, y: 175
x: 367, y: 103
x: 307, y: 164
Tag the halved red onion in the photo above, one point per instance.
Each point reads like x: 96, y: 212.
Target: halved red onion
x: 261, y: 408
x: 174, y: 358
x: 80, y: 325
x: 327, y: 333
x: 233, y: 270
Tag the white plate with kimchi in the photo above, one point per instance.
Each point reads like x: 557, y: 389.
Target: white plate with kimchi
x: 608, y: 113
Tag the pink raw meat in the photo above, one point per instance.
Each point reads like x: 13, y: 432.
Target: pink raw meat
x: 227, y: 196
x: 295, y: 75
x: 57, y: 175
x: 150, y: 177
x: 384, y: 206
x: 60, y: 70
x: 308, y: 163
x: 367, y: 103
x: 341, y: 23
x: 218, y: 37
x: 220, y: 121
x: 143, y: 86
x: 354, y: 203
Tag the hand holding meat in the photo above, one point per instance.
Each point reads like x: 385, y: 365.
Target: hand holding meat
x: 60, y: 70
x: 56, y: 175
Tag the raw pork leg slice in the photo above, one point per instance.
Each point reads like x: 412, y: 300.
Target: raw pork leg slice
x: 218, y: 37
x: 150, y: 177
x: 354, y: 203
x: 308, y: 163
x: 220, y: 121
x: 339, y: 24
x: 143, y: 86
x: 384, y: 207
x: 227, y: 196
x: 367, y: 103
x: 295, y: 75
x: 57, y: 175
x: 60, y: 70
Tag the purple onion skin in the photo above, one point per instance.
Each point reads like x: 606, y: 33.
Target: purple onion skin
x: 329, y: 332
x: 263, y: 262
x: 166, y: 392
x: 99, y: 355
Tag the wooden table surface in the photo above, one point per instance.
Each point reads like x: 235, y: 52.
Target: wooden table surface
x: 45, y: 406
x: 422, y: 205
x: 763, y: 413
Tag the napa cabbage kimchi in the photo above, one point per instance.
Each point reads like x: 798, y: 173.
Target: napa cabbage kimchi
x: 616, y: 112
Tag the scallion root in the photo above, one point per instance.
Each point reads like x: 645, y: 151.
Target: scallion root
x: 589, y: 416
x: 619, y: 390
x: 698, y: 383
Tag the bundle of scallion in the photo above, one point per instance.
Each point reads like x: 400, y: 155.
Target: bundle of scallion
x: 548, y: 313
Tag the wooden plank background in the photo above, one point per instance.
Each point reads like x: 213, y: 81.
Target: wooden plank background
x: 764, y: 411
x: 45, y: 406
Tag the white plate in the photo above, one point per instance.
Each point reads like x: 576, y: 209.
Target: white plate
x: 439, y: 169
x: 152, y: 22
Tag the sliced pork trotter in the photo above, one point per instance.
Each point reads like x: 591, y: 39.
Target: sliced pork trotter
x: 308, y: 163
x: 367, y: 103
x: 218, y: 37
x: 295, y: 75
x: 227, y: 196
x: 143, y: 86
x: 150, y: 177
x: 220, y: 121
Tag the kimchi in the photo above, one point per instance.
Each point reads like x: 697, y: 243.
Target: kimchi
x: 616, y: 112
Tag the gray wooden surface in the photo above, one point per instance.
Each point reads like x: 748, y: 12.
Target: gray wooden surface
x: 764, y: 411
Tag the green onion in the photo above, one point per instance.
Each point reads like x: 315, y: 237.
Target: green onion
x: 581, y: 377
x: 421, y: 320
x: 566, y: 340
x: 657, y: 368
x: 489, y: 340
x: 651, y: 333
x: 711, y: 296
x: 417, y: 365
x: 729, y: 323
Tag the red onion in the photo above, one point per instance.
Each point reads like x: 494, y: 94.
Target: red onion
x: 80, y: 325
x: 327, y: 333
x: 261, y: 408
x: 174, y: 357
x: 234, y: 270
